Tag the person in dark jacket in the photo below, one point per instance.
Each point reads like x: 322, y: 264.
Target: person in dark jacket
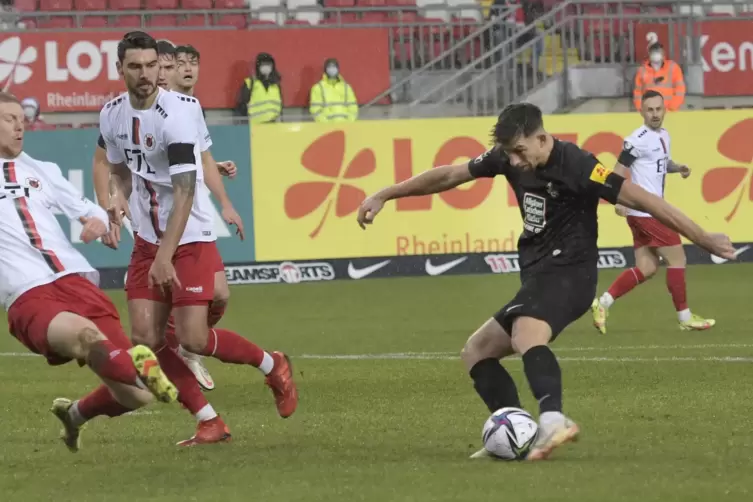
x: 260, y: 96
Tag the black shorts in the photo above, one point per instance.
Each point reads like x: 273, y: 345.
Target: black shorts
x: 558, y: 296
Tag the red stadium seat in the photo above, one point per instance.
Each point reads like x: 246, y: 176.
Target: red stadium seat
x: 166, y: 21
x: 29, y: 23
x: 237, y: 20
x: 196, y: 4
x: 25, y: 5
x: 125, y: 4
x: 341, y: 18
x: 94, y: 22
x: 374, y: 17
x: 262, y: 22
x: 197, y: 20
x: 57, y: 23
x: 334, y: 4
x: 161, y: 4
x: 230, y: 4
x: 371, y: 3
x: 55, y: 5
x: 296, y: 22
x: 90, y: 4
x: 401, y: 3
x: 128, y: 21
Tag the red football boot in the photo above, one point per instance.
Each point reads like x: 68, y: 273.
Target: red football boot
x: 280, y: 380
x: 209, y: 431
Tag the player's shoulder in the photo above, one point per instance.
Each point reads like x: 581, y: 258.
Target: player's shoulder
x: 177, y: 103
x: 113, y: 107
x: 42, y: 167
x: 639, y: 136
x: 570, y: 153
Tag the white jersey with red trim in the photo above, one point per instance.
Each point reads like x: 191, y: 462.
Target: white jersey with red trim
x: 646, y: 153
x: 156, y: 144
x: 34, y: 250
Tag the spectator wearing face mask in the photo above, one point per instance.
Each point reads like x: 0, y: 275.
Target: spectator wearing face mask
x: 32, y: 122
x: 260, y: 96
x: 332, y: 98
x: 661, y: 75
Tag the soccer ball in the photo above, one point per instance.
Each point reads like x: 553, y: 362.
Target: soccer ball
x: 509, y: 433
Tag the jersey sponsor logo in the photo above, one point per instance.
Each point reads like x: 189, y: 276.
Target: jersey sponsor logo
x: 432, y: 269
x: 149, y: 142
x: 285, y: 272
x: 534, y: 208
x: 503, y: 263
x: 360, y: 273
x: 599, y: 174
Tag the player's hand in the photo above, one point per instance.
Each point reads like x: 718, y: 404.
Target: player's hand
x: 684, y: 171
x: 118, y: 208
x: 719, y: 245
x: 368, y: 210
x: 227, y: 168
x: 231, y: 217
x: 163, y: 276
x: 112, y: 238
x: 620, y: 210
x: 94, y: 228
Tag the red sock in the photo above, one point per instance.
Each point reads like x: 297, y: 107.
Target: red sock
x: 676, y: 287
x: 100, y: 402
x: 230, y: 347
x: 189, y: 393
x: 216, y: 311
x: 170, y: 338
x: 625, y: 282
x: 112, y: 363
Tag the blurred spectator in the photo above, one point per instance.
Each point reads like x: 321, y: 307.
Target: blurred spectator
x: 32, y: 121
x: 661, y: 75
x: 332, y: 98
x: 260, y: 96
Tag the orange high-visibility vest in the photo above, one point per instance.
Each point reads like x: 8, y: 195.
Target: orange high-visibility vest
x: 667, y: 81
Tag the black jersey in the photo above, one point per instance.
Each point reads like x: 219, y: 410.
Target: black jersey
x: 558, y: 203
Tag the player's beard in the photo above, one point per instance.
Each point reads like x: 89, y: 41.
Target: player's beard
x: 143, y: 89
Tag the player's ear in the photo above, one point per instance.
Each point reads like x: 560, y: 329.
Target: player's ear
x: 119, y: 67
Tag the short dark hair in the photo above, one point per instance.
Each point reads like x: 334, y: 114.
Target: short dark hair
x: 188, y: 50
x: 165, y: 48
x: 6, y: 97
x: 522, y: 119
x: 651, y: 94
x: 135, y: 40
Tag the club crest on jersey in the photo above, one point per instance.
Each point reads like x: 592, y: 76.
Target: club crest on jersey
x: 552, y: 190
x: 34, y: 183
x: 149, y: 142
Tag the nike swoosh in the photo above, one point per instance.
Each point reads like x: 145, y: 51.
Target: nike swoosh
x: 514, y: 307
x: 432, y: 269
x: 360, y: 273
x: 718, y: 260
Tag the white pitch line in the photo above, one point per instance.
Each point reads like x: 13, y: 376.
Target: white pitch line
x: 429, y: 357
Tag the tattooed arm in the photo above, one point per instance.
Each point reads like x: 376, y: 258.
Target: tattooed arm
x: 184, y: 188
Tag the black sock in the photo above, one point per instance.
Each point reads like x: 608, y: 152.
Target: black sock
x: 544, y: 377
x: 494, y: 384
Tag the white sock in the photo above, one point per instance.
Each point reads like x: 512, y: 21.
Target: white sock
x: 684, y: 315
x: 75, y: 415
x: 206, y: 413
x: 606, y: 300
x: 267, y: 364
x: 551, y: 417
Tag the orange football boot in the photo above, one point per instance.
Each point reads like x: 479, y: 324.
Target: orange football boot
x: 209, y: 431
x: 280, y: 380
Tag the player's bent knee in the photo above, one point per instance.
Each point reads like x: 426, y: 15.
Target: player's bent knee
x: 191, y: 327
x: 489, y: 341
x: 221, y: 289
x: 528, y: 332
x: 71, y: 335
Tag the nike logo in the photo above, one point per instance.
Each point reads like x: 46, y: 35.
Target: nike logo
x: 432, y: 269
x: 360, y: 273
x: 718, y: 260
x: 514, y: 307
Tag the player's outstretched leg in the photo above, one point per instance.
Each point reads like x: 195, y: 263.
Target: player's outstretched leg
x: 646, y: 265
x: 481, y: 355
x: 674, y: 256
x: 530, y: 337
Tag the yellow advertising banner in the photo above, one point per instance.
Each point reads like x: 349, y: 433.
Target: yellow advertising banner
x: 308, y: 180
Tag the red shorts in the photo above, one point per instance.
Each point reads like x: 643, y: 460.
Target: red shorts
x: 195, y: 264
x: 31, y: 314
x: 650, y: 232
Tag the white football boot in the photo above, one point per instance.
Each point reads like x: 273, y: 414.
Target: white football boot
x: 195, y: 364
x: 555, y: 429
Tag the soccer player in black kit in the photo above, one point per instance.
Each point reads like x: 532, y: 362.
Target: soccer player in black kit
x: 558, y: 186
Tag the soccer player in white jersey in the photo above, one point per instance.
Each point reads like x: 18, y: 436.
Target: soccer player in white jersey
x: 646, y: 155
x: 155, y: 134
x: 101, y: 172
x: 48, y: 288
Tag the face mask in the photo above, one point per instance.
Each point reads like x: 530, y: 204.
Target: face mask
x: 332, y: 71
x: 265, y: 69
x: 656, y: 58
x: 30, y: 113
